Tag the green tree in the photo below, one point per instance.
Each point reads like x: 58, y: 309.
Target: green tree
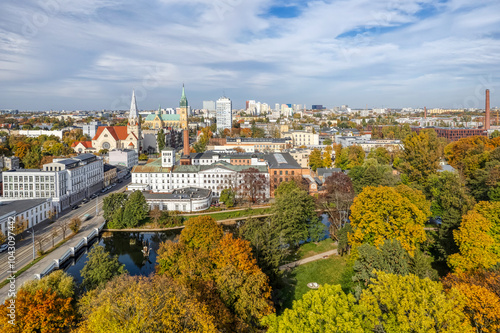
x: 380, y: 213
x: 327, y: 309
x: 228, y: 197
x: 381, y: 154
x: 160, y: 140
x: 295, y: 217
x: 449, y: 201
x: 58, y: 281
x: 315, y: 160
x: 421, y: 155
x: 100, y: 268
x: 395, y: 303
x: 112, y: 203
x: 33, y: 158
x: 371, y: 173
x: 135, y: 210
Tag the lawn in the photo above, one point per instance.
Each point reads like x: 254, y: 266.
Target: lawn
x: 234, y: 214
x: 309, y: 249
x: 324, y: 271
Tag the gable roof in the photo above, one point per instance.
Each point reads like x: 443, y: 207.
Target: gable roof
x: 86, y: 144
x: 164, y: 117
x: 117, y: 132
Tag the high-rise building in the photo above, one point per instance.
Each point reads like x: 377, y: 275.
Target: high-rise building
x: 224, y: 113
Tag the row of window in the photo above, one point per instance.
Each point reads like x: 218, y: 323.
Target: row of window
x: 37, y: 194
x: 286, y: 172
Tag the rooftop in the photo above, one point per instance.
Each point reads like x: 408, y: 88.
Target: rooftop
x: 182, y: 193
x: 19, y: 205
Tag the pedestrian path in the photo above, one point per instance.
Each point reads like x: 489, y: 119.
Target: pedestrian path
x: 87, y: 228
x: 315, y: 257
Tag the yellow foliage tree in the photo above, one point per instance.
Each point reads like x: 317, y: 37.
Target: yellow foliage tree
x: 478, y: 238
x: 398, y: 304
x: 380, y: 213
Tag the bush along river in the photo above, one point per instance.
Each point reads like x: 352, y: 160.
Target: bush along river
x: 137, y: 250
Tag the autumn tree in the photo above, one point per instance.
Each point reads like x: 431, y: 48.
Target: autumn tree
x: 42, y: 306
x: 253, y: 185
x: 327, y: 160
x: 469, y: 154
x: 144, y: 304
x: 380, y: 213
x: 478, y: 238
x: 315, y: 160
x: 349, y: 157
x: 395, y: 303
x: 336, y: 200
x: 75, y: 224
x: 100, y: 268
x: 481, y: 290
x: 420, y: 156
x: 327, y: 309
x: 381, y: 154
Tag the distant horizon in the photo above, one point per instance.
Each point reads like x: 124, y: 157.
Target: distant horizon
x: 90, y: 55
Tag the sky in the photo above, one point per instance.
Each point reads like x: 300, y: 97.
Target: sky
x: 91, y: 54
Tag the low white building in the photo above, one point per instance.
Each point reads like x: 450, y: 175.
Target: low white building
x: 303, y: 138
x: 37, y: 133
x: 188, y: 199
x: 125, y: 157
x: 31, y: 211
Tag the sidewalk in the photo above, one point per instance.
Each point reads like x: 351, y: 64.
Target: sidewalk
x: 308, y: 259
x: 29, y: 274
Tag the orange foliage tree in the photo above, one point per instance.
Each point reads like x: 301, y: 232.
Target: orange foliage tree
x: 469, y: 154
x: 481, y: 289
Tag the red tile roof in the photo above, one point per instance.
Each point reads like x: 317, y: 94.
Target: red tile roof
x: 117, y: 132
x: 86, y: 144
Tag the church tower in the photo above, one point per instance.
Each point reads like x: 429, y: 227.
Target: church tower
x: 183, y: 106
x: 134, y: 122
x: 186, y: 159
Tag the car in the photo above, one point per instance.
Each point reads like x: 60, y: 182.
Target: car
x: 85, y: 200
x: 93, y: 196
x: 119, y: 180
x: 74, y: 207
x: 104, y: 190
x: 3, y: 248
x: 114, y: 184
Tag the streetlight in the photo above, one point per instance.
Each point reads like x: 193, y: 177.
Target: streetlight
x: 32, y: 232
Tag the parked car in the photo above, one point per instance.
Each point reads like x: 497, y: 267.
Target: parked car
x: 3, y: 248
x: 74, y: 207
x: 93, y: 196
x: 85, y: 200
x: 104, y: 190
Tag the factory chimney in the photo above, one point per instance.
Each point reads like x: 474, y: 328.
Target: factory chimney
x: 487, y: 109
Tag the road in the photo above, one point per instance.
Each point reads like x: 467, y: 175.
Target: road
x: 44, y: 230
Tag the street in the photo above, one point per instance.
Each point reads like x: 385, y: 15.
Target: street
x: 24, y: 248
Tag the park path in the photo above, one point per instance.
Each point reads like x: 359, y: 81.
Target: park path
x: 315, y: 257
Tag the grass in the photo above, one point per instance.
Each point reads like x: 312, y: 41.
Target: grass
x: 235, y: 214
x: 333, y: 270
x: 310, y: 249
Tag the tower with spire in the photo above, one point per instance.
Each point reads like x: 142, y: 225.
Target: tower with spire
x: 134, y: 122
x: 183, y: 110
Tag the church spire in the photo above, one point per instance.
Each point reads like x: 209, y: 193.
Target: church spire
x: 133, y: 108
x: 159, y: 110
x: 184, y: 102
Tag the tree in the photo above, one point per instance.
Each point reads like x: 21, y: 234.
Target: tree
x: 63, y: 224
x: 380, y: 213
x: 337, y: 200
x: 469, y: 154
x: 100, y: 268
x: 481, y: 290
x: 421, y: 155
x: 51, y: 215
x: 295, y: 216
x: 253, y: 185
x: 395, y: 303
x: 327, y: 160
x: 343, y: 240
x: 381, y: 154
x: 44, y: 305
x: 160, y: 140
x: 201, y: 232
x: 327, y: 309
x: 3, y: 238
x: 136, y: 209
x: 33, y: 158
x: 145, y: 304
x: 478, y: 238
x: 356, y: 156
x: 315, y: 160
x: 449, y: 201
x: 227, y: 197
x: 155, y: 215
x: 75, y: 224
x: 372, y: 174
x: 112, y: 203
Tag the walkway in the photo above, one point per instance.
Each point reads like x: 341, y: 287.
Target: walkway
x: 318, y: 256
x: 37, y: 268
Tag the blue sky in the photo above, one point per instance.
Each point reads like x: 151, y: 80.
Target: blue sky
x: 89, y: 55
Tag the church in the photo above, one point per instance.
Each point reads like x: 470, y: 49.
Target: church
x: 121, y: 137
x: 158, y: 120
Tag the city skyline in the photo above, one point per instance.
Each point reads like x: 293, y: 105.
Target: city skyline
x: 56, y: 54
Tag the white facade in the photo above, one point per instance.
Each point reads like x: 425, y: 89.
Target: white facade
x: 37, y: 133
x: 224, y: 114
x: 32, y: 211
x: 303, y: 138
x: 126, y: 157
x: 65, y: 181
x: 209, y: 105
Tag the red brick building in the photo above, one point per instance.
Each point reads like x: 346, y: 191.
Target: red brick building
x: 453, y: 134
